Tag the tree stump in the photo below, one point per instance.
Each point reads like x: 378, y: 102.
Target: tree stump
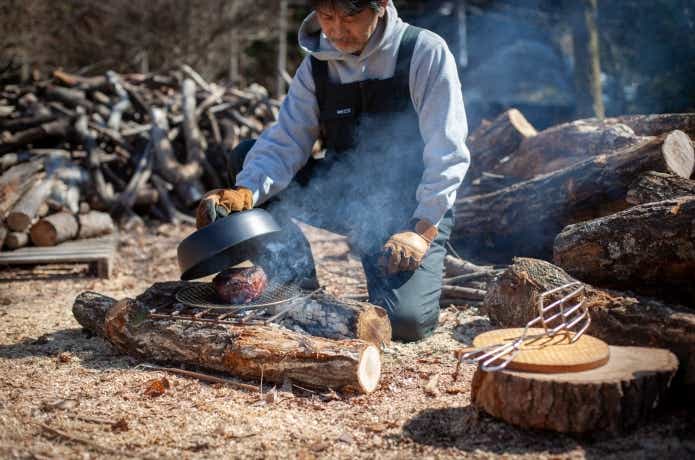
x: 613, y: 398
x: 616, y: 318
x: 270, y: 352
x: 649, y: 248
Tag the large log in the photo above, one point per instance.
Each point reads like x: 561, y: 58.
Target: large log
x: 3, y: 235
x: 321, y: 315
x: 656, y: 124
x: 495, y: 140
x: 269, y: 352
x: 617, y: 318
x: 524, y: 219
x: 54, y: 229
x: 611, y: 399
x: 563, y: 145
x: 26, y: 209
x: 655, y: 186
x: 649, y: 248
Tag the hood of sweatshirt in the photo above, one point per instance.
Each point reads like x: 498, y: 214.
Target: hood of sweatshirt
x: 321, y: 48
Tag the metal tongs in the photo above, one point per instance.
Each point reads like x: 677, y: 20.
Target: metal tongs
x: 567, y: 314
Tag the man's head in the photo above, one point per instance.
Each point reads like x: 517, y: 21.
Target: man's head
x: 349, y: 24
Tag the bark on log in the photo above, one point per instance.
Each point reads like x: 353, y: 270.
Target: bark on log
x: 24, y: 212
x: 327, y: 316
x: 494, y: 141
x: 94, y: 224
x: 649, y: 248
x: 655, y: 186
x: 16, y: 240
x: 54, y: 229
x: 563, y: 145
x: 656, y: 124
x: 322, y: 315
x: 523, y: 219
x: 3, y: 235
x: 611, y: 399
x: 245, y: 351
x: 617, y: 318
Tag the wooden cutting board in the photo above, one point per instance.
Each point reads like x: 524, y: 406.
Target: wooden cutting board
x: 549, y: 354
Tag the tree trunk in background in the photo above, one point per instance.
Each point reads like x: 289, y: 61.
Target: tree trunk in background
x: 587, y: 63
x: 282, y: 50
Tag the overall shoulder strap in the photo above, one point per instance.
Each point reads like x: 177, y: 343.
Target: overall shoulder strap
x: 319, y: 70
x: 405, y: 51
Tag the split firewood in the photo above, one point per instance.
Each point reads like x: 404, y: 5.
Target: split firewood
x: 617, y: 318
x: 26, y: 209
x: 614, y: 398
x: 649, y: 249
x: 655, y: 186
x: 563, y: 145
x: 94, y: 224
x: 248, y: 351
x: 525, y: 218
x: 16, y: 240
x: 54, y: 229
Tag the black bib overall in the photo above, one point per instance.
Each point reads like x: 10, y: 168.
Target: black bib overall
x: 365, y: 188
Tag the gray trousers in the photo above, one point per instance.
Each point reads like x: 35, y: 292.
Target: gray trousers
x: 410, y: 298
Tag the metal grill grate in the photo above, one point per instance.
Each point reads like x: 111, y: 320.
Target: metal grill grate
x: 203, y: 295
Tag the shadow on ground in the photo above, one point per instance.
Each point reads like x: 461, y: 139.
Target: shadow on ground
x: 93, y: 352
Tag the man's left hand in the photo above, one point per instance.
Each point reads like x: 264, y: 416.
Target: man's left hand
x: 405, y: 250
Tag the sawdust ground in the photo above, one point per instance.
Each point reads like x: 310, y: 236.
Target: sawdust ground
x: 64, y: 394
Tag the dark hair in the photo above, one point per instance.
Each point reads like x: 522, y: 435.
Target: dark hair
x: 350, y: 7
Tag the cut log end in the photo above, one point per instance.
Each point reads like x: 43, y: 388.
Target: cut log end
x: 369, y: 370
x: 522, y: 125
x: 679, y: 154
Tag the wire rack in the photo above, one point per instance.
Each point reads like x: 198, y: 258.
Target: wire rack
x: 198, y: 302
x: 566, y: 313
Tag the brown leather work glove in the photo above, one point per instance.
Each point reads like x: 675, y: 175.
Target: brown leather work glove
x: 405, y: 250
x: 221, y: 202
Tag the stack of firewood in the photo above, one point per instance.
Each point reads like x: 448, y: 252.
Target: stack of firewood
x: 124, y: 145
x: 608, y: 203
x: 612, y: 201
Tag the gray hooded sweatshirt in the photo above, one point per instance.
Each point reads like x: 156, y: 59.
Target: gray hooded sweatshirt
x: 435, y: 90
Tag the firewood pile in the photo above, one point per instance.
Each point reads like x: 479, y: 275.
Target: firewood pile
x: 76, y: 150
x: 608, y: 203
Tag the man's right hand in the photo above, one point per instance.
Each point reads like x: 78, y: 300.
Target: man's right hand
x: 221, y: 202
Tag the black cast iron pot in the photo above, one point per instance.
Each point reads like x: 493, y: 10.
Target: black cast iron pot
x: 224, y: 243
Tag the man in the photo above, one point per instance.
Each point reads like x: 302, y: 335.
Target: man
x: 386, y: 100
